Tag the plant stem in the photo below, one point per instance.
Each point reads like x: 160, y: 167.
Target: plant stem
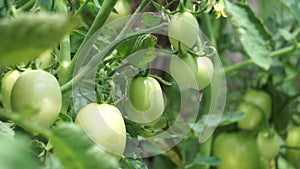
x: 210, y: 30
x: 99, y: 21
x: 25, y: 124
x: 105, y: 52
x: 25, y: 6
x: 273, y: 54
x: 64, y: 57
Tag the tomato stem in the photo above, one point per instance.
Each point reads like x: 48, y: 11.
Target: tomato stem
x: 274, y: 54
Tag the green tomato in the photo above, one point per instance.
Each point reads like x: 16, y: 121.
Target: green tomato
x: 236, y: 151
x: 205, y: 72
x: 252, y: 116
x: 8, y: 82
x: 37, y: 96
x: 257, y: 108
x: 260, y: 99
x: 293, y: 140
x: 268, y: 144
x: 190, y: 72
x: 183, y: 31
x: 183, y: 69
x: 105, y: 125
x: 146, y: 102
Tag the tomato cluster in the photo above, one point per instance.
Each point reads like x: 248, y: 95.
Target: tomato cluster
x: 34, y: 93
x: 256, y: 143
x: 188, y: 71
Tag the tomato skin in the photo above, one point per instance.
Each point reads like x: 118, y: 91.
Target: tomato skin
x: 104, y: 124
x: 237, y: 151
x: 293, y: 140
x: 184, y: 68
x: 257, y: 107
x: 40, y: 91
x: 268, y: 144
x: 8, y: 82
x: 205, y: 72
x: 146, y: 102
x: 183, y: 31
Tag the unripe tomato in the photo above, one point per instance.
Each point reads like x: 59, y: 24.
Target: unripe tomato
x: 293, y: 140
x: 205, y: 72
x: 37, y: 91
x: 8, y: 82
x: 260, y: 99
x: 252, y: 116
x: 268, y: 144
x: 104, y: 124
x: 183, y: 69
x: 236, y: 151
x: 190, y: 72
x: 146, y: 102
x: 257, y: 108
x: 183, y: 31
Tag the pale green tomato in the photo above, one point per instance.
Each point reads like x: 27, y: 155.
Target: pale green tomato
x: 236, y: 151
x: 146, y: 102
x: 268, y: 144
x: 37, y: 96
x: 183, y: 31
x: 260, y: 99
x: 293, y: 140
x: 183, y: 69
x: 8, y: 82
x: 104, y: 124
x: 252, y: 116
x: 205, y: 72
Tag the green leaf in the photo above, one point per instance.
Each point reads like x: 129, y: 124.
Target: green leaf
x: 77, y: 151
x: 251, y: 32
x: 151, y: 19
x: 293, y: 6
x: 211, y: 161
x: 231, y: 117
x: 139, y: 50
x: 15, y: 154
x: 28, y: 35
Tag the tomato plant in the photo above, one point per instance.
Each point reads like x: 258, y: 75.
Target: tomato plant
x: 236, y: 151
x: 146, y: 102
x: 183, y: 31
x: 105, y: 125
x: 8, y: 82
x: 64, y: 65
x: 39, y: 91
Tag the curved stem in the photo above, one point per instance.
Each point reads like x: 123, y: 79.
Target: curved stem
x: 99, y: 21
x: 273, y: 54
